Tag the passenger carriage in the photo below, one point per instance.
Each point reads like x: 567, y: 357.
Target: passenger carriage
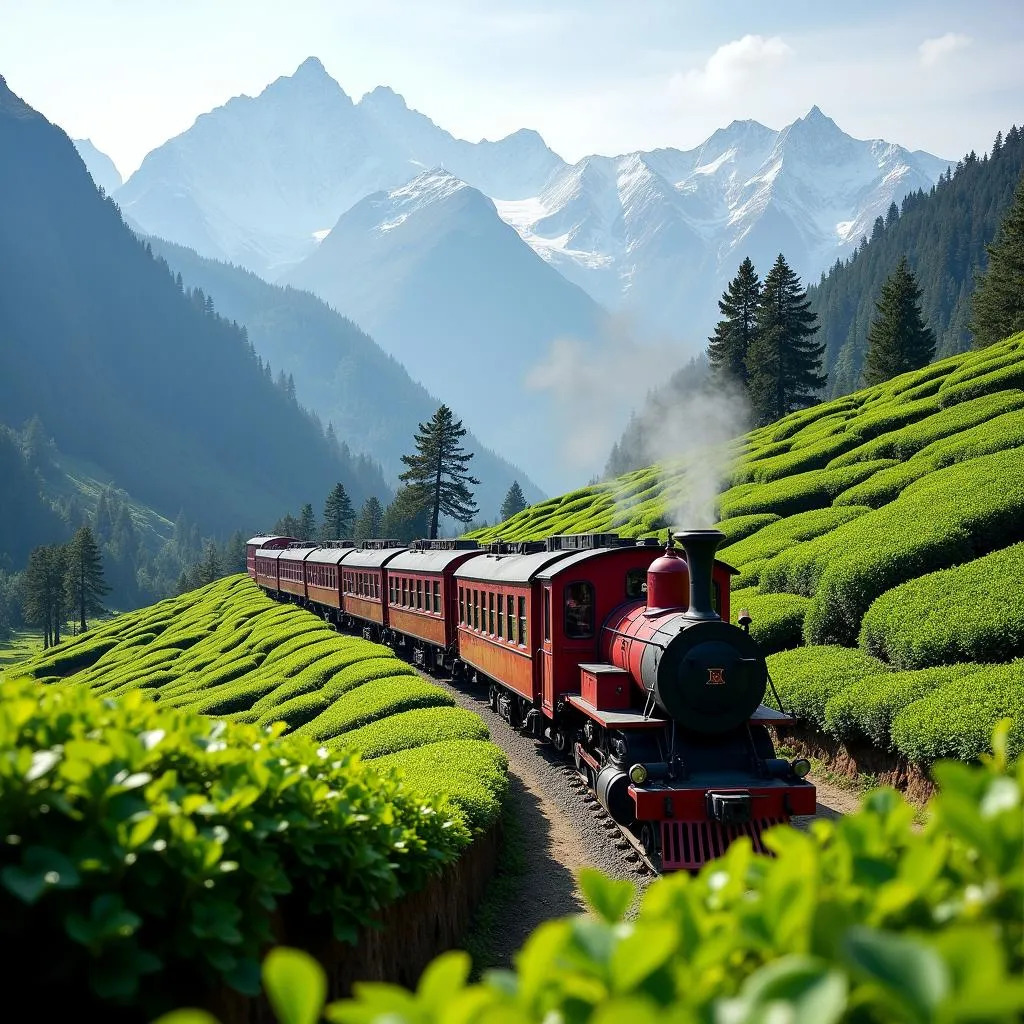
x: 364, y: 586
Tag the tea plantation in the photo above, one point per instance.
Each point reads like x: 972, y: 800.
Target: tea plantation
x: 878, y: 542
x: 228, y: 651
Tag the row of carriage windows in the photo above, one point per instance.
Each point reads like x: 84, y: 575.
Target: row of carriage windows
x: 416, y: 594
x: 502, y: 616
x: 362, y: 584
x: 322, y: 575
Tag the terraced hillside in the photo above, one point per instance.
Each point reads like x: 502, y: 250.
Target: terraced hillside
x: 880, y: 545
x: 228, y: 651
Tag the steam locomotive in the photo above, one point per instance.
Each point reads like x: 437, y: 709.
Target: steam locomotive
x: 619, y: 653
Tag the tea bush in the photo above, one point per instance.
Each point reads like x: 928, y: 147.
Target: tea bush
x: 146, y: 849
x: 973, y: 612
x: 864, y: 918
x: 740, y: 527
x: 777, y: 619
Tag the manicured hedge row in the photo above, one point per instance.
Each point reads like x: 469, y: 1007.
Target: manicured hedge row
x: 866, y: 918
x: 778, y: 536
x: 740, y: 527
x: 973, y: 612
x: 147, y: 848
x: 777, y: 620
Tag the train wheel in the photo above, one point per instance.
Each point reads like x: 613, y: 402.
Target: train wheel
x: 559, y: 740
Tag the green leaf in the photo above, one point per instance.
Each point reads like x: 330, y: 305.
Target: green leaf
x: 296, y: 985
x: 910, y: 972
x: 443, y: 977
x: 795, y: 989
x: 641, y: 953
x: 187, y: 1017
x: 608, y: 898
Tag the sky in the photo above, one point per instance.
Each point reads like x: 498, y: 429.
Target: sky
x: 592, y: 76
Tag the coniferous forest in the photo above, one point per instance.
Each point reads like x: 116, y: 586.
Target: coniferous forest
x: 943, y: 234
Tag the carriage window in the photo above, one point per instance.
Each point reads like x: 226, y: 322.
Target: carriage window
x: 462, y: 605
x: 476, y: 609
x: 419, y: 594
x: 547, y: 614
x: 579, y: 610
x: 636, y: 584
x: 510, y: 620
x: 490, y: 614
x: 501, y: 616
x: 437, y: 597
x: 522, y: 623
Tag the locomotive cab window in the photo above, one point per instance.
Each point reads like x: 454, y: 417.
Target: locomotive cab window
x: 636, y: 584
x: 579, y: 610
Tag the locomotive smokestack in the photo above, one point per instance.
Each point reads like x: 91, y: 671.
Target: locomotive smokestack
x: 700, y: 547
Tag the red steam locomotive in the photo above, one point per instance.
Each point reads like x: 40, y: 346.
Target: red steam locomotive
x: 618, y: 652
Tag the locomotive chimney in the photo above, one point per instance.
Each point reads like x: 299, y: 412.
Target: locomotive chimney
x: 700, y: 547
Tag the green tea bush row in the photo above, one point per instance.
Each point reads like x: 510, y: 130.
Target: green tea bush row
x: 741, y: 527
x: 366, y: 703
x: 973, y: 612
x: 892, y: 416
x: 777, y: 620
x: 919, y: 532
x: 778, y: 536
x: 902, y: 444
x: 807, y: 677
x: 799, y: 460
x: 471, y: 774
x: 414, y: 728
x: 146, y: 850
x: 955, y: 720
x: 304, y: 707
x: 1006, y: 431
x: 864, y: 918
x: 996, y: 380
x: 799, y: 493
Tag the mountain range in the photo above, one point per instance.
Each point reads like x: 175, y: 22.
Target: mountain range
x: 470, y: 262
x: 260, y: 180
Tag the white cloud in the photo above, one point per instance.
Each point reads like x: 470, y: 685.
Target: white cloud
x: 733, y: 66
x: 934, y: 50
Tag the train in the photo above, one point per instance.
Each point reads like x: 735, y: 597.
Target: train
x: 620, y: 653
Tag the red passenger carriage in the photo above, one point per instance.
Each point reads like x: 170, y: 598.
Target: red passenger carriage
x: 253, y: 544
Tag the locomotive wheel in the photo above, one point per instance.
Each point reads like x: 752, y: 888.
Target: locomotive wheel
x: 559, y: 740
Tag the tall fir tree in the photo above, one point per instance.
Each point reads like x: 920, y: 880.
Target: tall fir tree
x: 515, y: 501
x: 370, y: 521
x: 84, y: 584
x: 898, y: 340
x: 209, y: 568
x: 728, y: 346
x: 307, y: 522
x: 997, y: 307
x: 288, y: 526
x: 338, y: 514
x: 43, y: 591
x: 783, y: 361
x: 437, y: 475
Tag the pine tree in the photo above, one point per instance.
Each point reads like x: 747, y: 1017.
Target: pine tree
x: 43, y: 593
x: 437, y: 476
x: 307, y: 522
x: 728, y: 346
x: 515, y: 501
x: 338, y: 514
x: 210, y: 567
x: 83, y: 582
x: 370, y: 521
x: 783, y: 361
x: 997, y: 309
x: 288, y: 526
x: 898, y: 339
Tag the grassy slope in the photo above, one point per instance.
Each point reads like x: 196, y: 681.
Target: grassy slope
x: 915, y: 484
x: 229, y: 651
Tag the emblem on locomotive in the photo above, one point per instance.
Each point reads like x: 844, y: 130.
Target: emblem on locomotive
x: 716, y: 677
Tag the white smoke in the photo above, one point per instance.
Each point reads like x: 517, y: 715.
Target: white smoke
x: 687, y: 430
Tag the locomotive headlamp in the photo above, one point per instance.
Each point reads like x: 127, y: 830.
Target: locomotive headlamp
x: 638, y: 774
x: 801, y: 767
x: 744, y: 620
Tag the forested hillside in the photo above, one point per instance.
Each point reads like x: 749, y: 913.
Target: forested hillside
x: 341, y: 372
x: 943, y: 234
x: 127, y: 370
